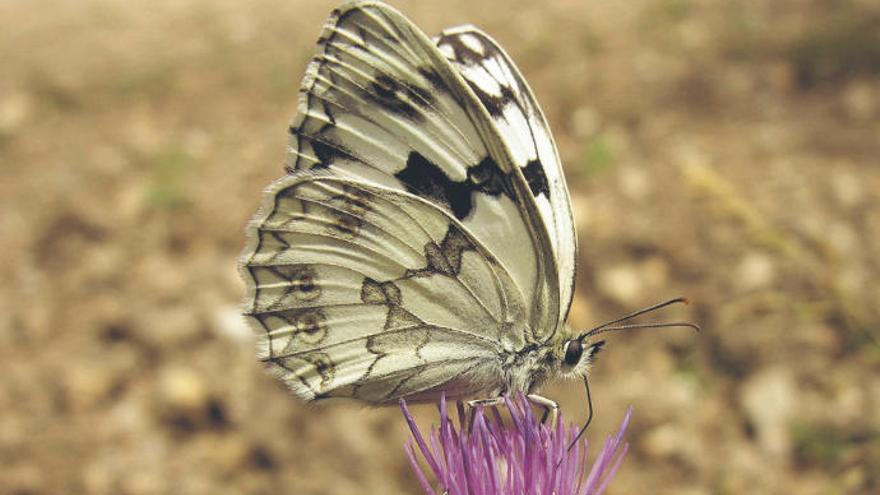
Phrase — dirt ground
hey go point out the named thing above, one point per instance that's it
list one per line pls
(726, 151)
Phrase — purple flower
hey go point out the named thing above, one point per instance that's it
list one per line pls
(491, 458)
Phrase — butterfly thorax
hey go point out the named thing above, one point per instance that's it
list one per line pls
(527, 368)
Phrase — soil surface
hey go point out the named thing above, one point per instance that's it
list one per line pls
(725, 151)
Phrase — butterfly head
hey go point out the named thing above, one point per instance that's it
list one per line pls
(578, 356)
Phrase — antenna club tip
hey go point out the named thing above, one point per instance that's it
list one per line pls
(685, 300)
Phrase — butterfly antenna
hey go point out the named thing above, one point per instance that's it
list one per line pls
(610, 325)
(589, 416)
(632, 326)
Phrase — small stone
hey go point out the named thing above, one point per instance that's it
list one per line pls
(628, 283)
(97, 478)
(860, 100)
(755, 271)
(635, 183)
(817, 337)
(585, 122)
(197, 143)
(854, 479)
(654, 270)
(621, 283)
(844, 239)
(850, 401)
(693, 34)
(183, 396)
(582, 209)
(15, 109)
(223, 453)
(229, 323)
(874, 397)
(168, 326)
(86, 385)
(140, 482)
(662, 441)
(853, 279)
(143, 132)
(848, 188)
(769, 399)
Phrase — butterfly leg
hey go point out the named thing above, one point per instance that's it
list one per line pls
(551, 408)
(473, 404)
(485, 402)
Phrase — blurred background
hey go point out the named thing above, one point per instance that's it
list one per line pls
(726, 151)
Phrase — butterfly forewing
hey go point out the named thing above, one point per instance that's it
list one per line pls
(380, 103)
(508, 99)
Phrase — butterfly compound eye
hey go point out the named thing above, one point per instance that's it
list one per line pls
(573, 351)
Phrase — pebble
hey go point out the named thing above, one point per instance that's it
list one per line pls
(874, 393)
(635, 183)
(769, 399)
(183, 393)
(620, 283)
(848, 188)
(850, 400)
(754, 271)
(843, 238)
(86, 385)
(163, 326)
(229, 323)
(15, 109)
(583, 211)
(629, 283)
(662, 441)
(674, 440)
(585, 122)
(860, 101)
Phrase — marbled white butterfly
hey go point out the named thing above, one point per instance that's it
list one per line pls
(422, 239)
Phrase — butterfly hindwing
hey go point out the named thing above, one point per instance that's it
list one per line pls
(362, 291)
(503, 91)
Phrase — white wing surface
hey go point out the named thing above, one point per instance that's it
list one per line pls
(380, 103)
(503, 91)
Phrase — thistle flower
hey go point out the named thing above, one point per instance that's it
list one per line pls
(491, 458)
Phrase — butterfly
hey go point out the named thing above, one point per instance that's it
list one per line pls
(421, 241)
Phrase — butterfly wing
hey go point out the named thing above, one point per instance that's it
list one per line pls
(366, 292)
(380, 103)
(503, 91)
(404, 254)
